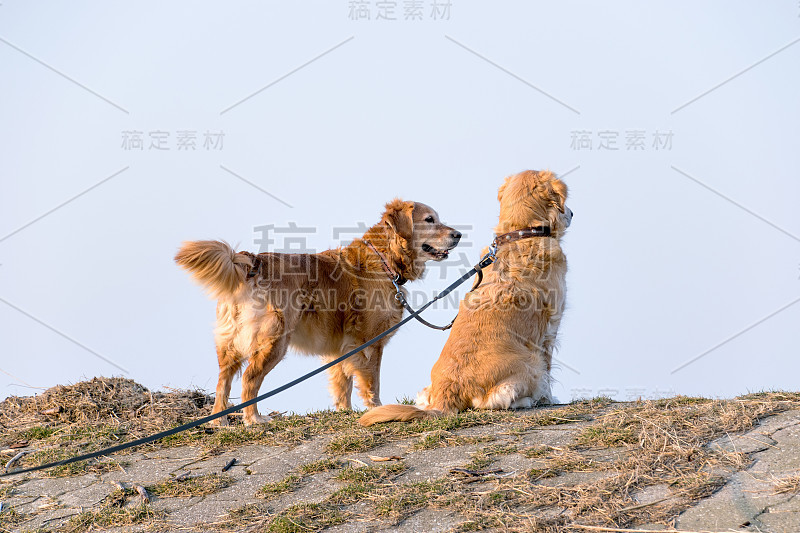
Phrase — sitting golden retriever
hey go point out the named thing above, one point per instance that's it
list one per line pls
(499, 352)
(325, 303)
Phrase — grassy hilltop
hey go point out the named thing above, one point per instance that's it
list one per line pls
(587, 466)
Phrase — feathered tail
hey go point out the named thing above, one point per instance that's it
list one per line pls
(214, 265)
(398, 413)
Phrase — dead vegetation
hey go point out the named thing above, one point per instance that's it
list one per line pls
(191, 486)
(620, 451)
(10, 518)
(103, 401)
(307, 517)
(441, 438)
(68, 420)
(323, 465)
(110, 515)
(662, 443)
(787, 485)
(288, 484)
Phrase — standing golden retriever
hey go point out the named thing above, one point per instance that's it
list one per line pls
(499, 352)
(326, 303)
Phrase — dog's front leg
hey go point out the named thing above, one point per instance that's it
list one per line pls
(341, 387)
(368, 374)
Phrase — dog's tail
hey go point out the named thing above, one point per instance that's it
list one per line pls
(214, 265)
(398, 413)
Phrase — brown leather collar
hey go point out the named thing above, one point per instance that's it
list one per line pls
(519, 234)
(394, 276)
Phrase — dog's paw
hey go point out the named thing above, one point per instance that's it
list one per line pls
(257, 419)
(523, 403)
(220, 422)
(423, 398)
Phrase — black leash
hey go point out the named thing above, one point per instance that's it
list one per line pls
(402, 297)
(410, 309)
(398, 280)
(485, 261)
(505, 238)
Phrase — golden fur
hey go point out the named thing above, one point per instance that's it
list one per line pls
(500, 350)
(325, 304)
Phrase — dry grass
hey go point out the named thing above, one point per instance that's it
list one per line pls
(272, 490)
(400, 502)
(68, 420)
(371, 474)
(10, 518)
(307, 517)
(361, 441)
(192, 486)
(7, 488)
(93, 466)
(362, 483)
(111, 516)
(667, 444)
(294, 481)
(662, 443)
(441, 438)
(620, 450)
(109, 401)
(488, 454)
(787, 485)
(254, 516)
(323, 465)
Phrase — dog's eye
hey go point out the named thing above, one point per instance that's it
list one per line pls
(429, 219)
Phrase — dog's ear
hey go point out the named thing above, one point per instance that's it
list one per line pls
(560, 190)
(502, 189)
(399, 217)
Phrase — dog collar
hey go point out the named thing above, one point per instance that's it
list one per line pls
(396, 278)
(525, 233)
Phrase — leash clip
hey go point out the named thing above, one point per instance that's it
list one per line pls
(490, 256)
(399, 293)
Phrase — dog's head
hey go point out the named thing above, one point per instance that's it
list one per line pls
(426, 238)
(533, 198)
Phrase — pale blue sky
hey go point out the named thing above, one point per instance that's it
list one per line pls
(673, 251)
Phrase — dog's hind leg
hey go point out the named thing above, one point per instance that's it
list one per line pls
(229, 364)
(261, 362)
(503, 396)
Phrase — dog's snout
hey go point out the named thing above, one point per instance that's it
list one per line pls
(456, 235)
